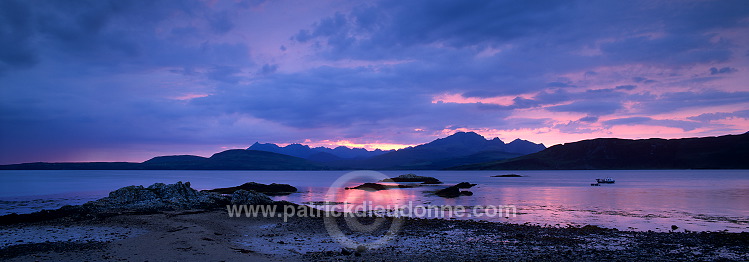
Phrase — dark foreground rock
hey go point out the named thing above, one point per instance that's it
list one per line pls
(272, 189)
(244, 197)
(413, 178)
(155, 198)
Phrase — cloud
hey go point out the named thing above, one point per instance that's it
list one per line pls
(589, 107)
(674, 101)
(220, 22)
(707, 117)
(671, 50)
(559, 84)
(589, 119)
(724, 70)
(643, 80)
(684, 125)
(15, 36)
(268, 69)
(199, 74)
(626, 87)
(226, 74)
(109, 33)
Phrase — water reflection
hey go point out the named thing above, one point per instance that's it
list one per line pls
(631, 205)
(698, 200)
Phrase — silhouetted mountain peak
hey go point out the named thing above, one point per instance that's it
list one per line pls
(521, 146)
(497, 140)
(458, 139)
(304, 151)
(298, 147)
(465, 136)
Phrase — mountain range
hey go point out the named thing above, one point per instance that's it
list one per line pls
(460, 151)
(320, 154)
(722, 152)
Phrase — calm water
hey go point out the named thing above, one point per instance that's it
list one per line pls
(697, 200)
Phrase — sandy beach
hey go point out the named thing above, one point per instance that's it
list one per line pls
(211, 235)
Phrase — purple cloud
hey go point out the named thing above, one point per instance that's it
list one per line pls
(142, 78)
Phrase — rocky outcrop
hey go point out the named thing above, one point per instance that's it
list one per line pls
(153, 199)
(157, 197)
(244, 197)
(272, 189)
(413, 178)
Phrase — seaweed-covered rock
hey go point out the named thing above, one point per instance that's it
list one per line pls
(244, 197)
(413, 178)
(272, 189)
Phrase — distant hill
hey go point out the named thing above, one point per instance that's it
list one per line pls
(317, 153)
(723, 152)
(235, 159)
(457, 149)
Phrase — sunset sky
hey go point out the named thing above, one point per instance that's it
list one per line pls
(128, 80)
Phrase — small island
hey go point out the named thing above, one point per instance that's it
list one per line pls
(413, 178)
(508, 175)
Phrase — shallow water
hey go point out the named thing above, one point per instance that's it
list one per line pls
(696, 200)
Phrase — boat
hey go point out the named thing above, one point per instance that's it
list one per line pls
(595, 184)
(607, 180)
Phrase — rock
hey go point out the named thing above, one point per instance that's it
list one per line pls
(413, 178)
(452, 191)
(130, 194)
(157, 197)
(272, 189)
(369, 187)
(153, 199)
(244, 197)
(464, 185)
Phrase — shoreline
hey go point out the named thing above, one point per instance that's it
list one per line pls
(202, 234)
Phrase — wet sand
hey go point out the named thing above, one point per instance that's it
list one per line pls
(214, 236)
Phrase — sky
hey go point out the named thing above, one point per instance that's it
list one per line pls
(112, 80)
